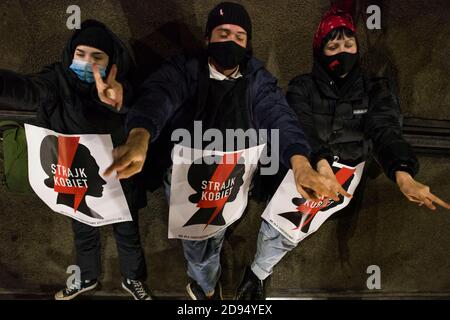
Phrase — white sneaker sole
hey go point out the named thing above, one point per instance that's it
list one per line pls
(190, 293)
(62, 298)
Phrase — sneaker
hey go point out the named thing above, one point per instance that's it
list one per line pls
(76, 289)
(137, 289)
(251, 288)
(196, 292)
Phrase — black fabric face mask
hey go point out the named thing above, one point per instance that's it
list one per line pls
(339, 64)
(226, 54)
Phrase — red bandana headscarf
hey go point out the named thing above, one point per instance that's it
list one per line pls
(338, 16)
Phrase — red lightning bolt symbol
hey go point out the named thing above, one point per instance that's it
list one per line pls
(223, 171)
(67, 147)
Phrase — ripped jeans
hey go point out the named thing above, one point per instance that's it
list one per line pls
(203, 257)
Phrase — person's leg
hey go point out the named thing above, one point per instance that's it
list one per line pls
(272, 246)
(131, 256)
(203, 260)
(203, 257)
(129, 248)
(87, 244)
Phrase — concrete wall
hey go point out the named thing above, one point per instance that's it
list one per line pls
(412, 45)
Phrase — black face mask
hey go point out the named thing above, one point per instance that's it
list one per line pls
(340, 64)
(227, 54)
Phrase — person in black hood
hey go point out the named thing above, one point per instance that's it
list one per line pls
(223, 87)
(89, 92)
(347, 118)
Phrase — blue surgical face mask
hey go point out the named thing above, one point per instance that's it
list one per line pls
(83, 70)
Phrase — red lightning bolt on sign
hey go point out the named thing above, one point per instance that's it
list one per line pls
(342, 176)
(67, 147)
(223, 171)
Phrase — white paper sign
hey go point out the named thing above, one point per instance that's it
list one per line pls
(295, 217)
(65, 171)
(207, 196)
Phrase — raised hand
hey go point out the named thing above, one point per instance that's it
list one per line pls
(111, 91)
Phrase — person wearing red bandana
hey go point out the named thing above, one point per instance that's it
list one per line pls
(346, 116)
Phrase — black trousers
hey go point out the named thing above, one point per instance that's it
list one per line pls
(128, 242)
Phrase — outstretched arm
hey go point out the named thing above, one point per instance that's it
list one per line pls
(159, 98)
(392, 151)
(27, 92)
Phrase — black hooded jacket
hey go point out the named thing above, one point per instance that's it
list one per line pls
(353, 120)
(70, 106)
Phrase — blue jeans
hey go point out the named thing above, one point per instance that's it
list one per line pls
(271, 247)
(203, 257)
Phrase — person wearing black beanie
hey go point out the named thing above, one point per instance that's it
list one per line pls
(95, 37)
(223, 87)
(228, 35)
(229, 13)
(74, 96)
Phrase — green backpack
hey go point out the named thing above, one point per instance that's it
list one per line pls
(15, 158)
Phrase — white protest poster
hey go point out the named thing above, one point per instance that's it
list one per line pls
(209, 190)
(65, 171)
(295, 217)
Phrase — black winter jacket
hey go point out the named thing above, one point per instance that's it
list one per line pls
(351, 122)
